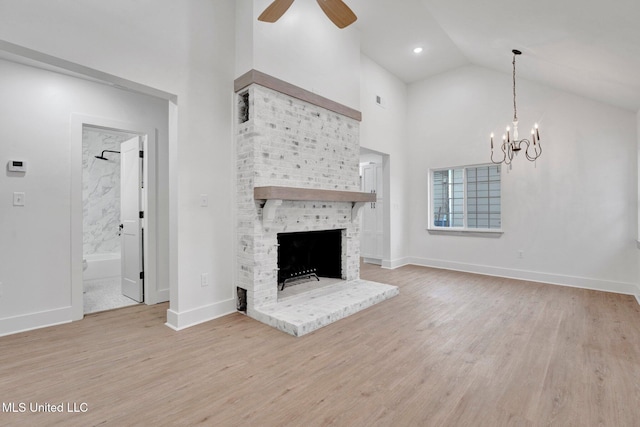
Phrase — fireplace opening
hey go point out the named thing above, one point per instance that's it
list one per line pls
(309, 254)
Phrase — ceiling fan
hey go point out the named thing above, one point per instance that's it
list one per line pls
(338, 12)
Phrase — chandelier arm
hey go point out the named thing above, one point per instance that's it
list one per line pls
(508, 153)
(501, 161)
(537, 151)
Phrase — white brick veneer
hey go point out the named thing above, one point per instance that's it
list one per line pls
(288, 142)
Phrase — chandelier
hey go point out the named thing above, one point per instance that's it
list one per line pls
(512, 146)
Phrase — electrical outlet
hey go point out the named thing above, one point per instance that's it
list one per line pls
(18, 198)
(204, 280)
(204, 200)
(520, 254)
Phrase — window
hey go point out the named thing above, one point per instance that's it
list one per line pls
(466, 198)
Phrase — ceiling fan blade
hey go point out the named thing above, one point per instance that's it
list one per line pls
(338, 12)
(275, 10)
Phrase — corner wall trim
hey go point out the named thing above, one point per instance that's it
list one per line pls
(86, 71)
(273, 83)
(182, 320)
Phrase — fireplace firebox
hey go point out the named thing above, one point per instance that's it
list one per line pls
(309, 254)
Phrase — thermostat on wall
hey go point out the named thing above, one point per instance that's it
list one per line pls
(17, 166)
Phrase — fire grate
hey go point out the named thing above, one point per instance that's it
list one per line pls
(308, 273)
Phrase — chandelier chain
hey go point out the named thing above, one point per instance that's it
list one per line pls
(515, 110)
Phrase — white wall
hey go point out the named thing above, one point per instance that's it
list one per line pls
(638, 176)
(35, 126)
(303, 48)
(638, 211)
(184, 48)
(573, 214)
(385, 130)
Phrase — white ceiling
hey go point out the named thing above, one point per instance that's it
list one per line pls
(589, 47)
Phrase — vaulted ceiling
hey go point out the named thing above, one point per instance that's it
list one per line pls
(588, 47)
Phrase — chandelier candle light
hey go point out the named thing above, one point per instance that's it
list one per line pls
(511, 147)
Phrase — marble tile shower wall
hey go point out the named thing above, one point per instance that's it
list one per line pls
(288, 142)
(100, 192)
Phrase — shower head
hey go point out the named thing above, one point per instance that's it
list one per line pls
(102, 157)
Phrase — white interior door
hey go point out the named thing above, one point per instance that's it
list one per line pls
(131, 222)
(371, 231)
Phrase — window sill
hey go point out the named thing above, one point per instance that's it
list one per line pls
(465, 232)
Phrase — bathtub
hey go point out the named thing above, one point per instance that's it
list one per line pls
(101, 266)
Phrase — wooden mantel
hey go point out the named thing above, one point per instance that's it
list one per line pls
(311, 194)
(273, 197)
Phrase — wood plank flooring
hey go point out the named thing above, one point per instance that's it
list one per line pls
(453, 349)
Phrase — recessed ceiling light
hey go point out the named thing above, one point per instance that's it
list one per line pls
(417, 50)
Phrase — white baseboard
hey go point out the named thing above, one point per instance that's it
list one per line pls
(395, 263)
(178, 321)
(31, 321)
(533, 276)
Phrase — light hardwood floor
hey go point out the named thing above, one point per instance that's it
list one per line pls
(452, 349)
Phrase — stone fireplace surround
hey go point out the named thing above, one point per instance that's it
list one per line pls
(297, 170)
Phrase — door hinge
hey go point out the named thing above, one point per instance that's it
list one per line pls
(141, 154)
(141, 214)
(142, 275)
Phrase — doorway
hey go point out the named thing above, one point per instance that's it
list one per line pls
(374, 222)
(110, 193)
(146, 206)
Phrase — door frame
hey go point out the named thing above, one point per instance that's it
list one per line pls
(148, 204)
